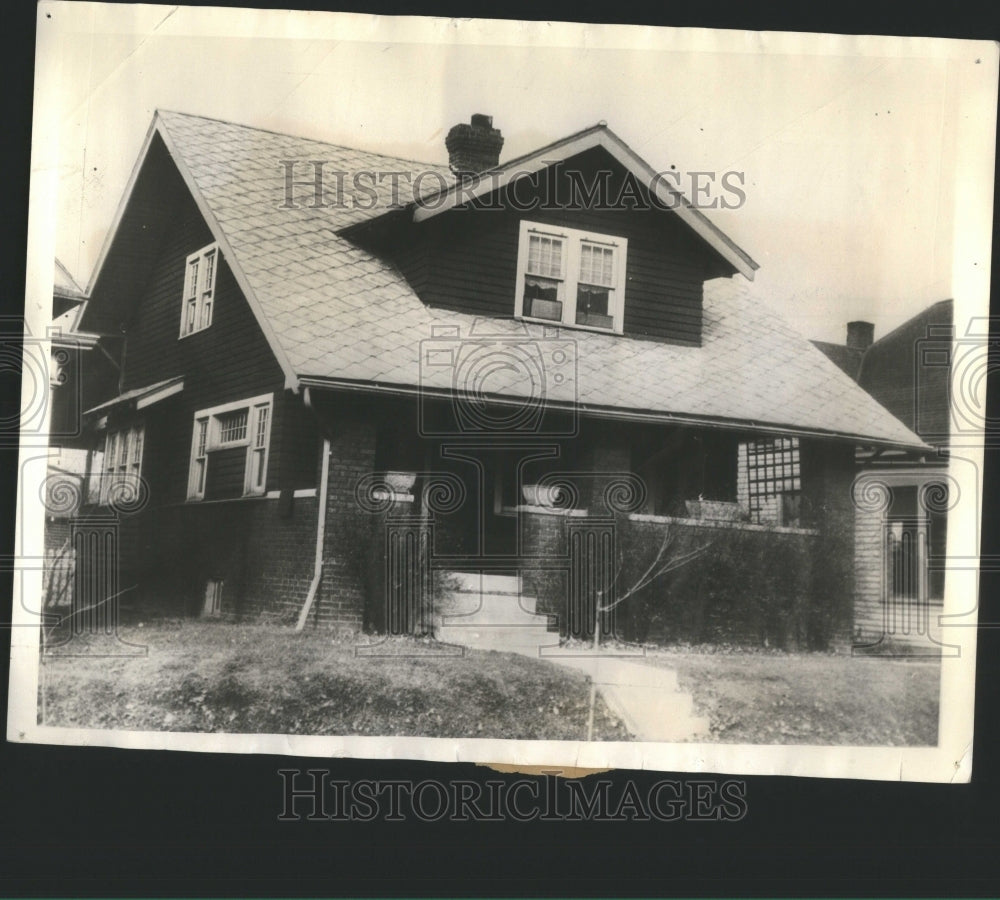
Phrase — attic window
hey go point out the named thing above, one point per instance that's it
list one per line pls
(199, 290)
(571, 277)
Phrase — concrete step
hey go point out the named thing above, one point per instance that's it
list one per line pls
(524, 639)
(490, 609)
(485, 582)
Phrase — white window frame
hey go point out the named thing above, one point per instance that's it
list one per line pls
(573, 239)
(260, 414)
(122, 460)
(198, 298)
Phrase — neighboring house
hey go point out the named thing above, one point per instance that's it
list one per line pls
(903, 496)
(326, 403)
(75, 380)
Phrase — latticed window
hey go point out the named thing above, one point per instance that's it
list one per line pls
(774, 479)
(233, 427)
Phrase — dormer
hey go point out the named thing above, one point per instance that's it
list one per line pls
(581, 234)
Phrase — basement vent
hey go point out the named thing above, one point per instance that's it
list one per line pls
(213, 598)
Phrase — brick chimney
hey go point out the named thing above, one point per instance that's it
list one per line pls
(474, 148)
(860, 335)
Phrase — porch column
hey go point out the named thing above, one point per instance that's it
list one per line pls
(607, 459)
(346, 553)
(827, 477)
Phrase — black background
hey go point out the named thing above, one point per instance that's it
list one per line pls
(77, 821)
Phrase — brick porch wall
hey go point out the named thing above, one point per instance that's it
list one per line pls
(342, 590)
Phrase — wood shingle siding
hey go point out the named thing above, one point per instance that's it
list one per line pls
(466, 260)
(228, 361)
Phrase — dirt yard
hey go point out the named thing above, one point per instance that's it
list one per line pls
(214, 676)
(785, 698)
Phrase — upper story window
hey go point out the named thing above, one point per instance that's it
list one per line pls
(122, 464)
(199, 290)
(571, 277)
(245, 423)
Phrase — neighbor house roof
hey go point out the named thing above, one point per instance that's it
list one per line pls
(909, 372)
(338, 315)
(847, 359)
(65, 285)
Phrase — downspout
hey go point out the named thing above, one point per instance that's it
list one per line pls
(324, 481)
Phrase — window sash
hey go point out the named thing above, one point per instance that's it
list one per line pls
(199, 290)
(122, 458)
(231, 428)
(243, 422)
(580, 284)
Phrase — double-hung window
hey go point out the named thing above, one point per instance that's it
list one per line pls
(570, 277)
(199, 290)
(218, 436)
(122, 461)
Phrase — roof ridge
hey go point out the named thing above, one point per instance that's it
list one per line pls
(910, 321)
(159, 111)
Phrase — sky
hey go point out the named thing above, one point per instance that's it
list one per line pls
(849, 148)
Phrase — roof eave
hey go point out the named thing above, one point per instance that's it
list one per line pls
(316, 382)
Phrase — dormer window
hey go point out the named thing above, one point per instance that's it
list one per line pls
(570, 277)
(199, 290)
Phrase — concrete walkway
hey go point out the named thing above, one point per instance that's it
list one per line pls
(489, 612)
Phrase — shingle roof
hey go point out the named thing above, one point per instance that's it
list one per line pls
(339, 313)
(65, 284)
(847, 359)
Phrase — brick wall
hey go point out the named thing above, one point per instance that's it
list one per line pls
(828, 471)
(262, 550)
(869, 567)
(543, 537)
(347, 563)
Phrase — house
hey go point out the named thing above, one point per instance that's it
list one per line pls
(345, 377)
(901, 518)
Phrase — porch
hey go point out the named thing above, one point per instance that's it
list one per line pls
(663, 531)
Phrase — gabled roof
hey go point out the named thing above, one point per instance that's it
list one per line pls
(847, 359)
(560, 151)
(337, 315)
(65, 284)
(65, 332)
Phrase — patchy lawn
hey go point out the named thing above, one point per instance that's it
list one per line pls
(810, 698)
(215, 676)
